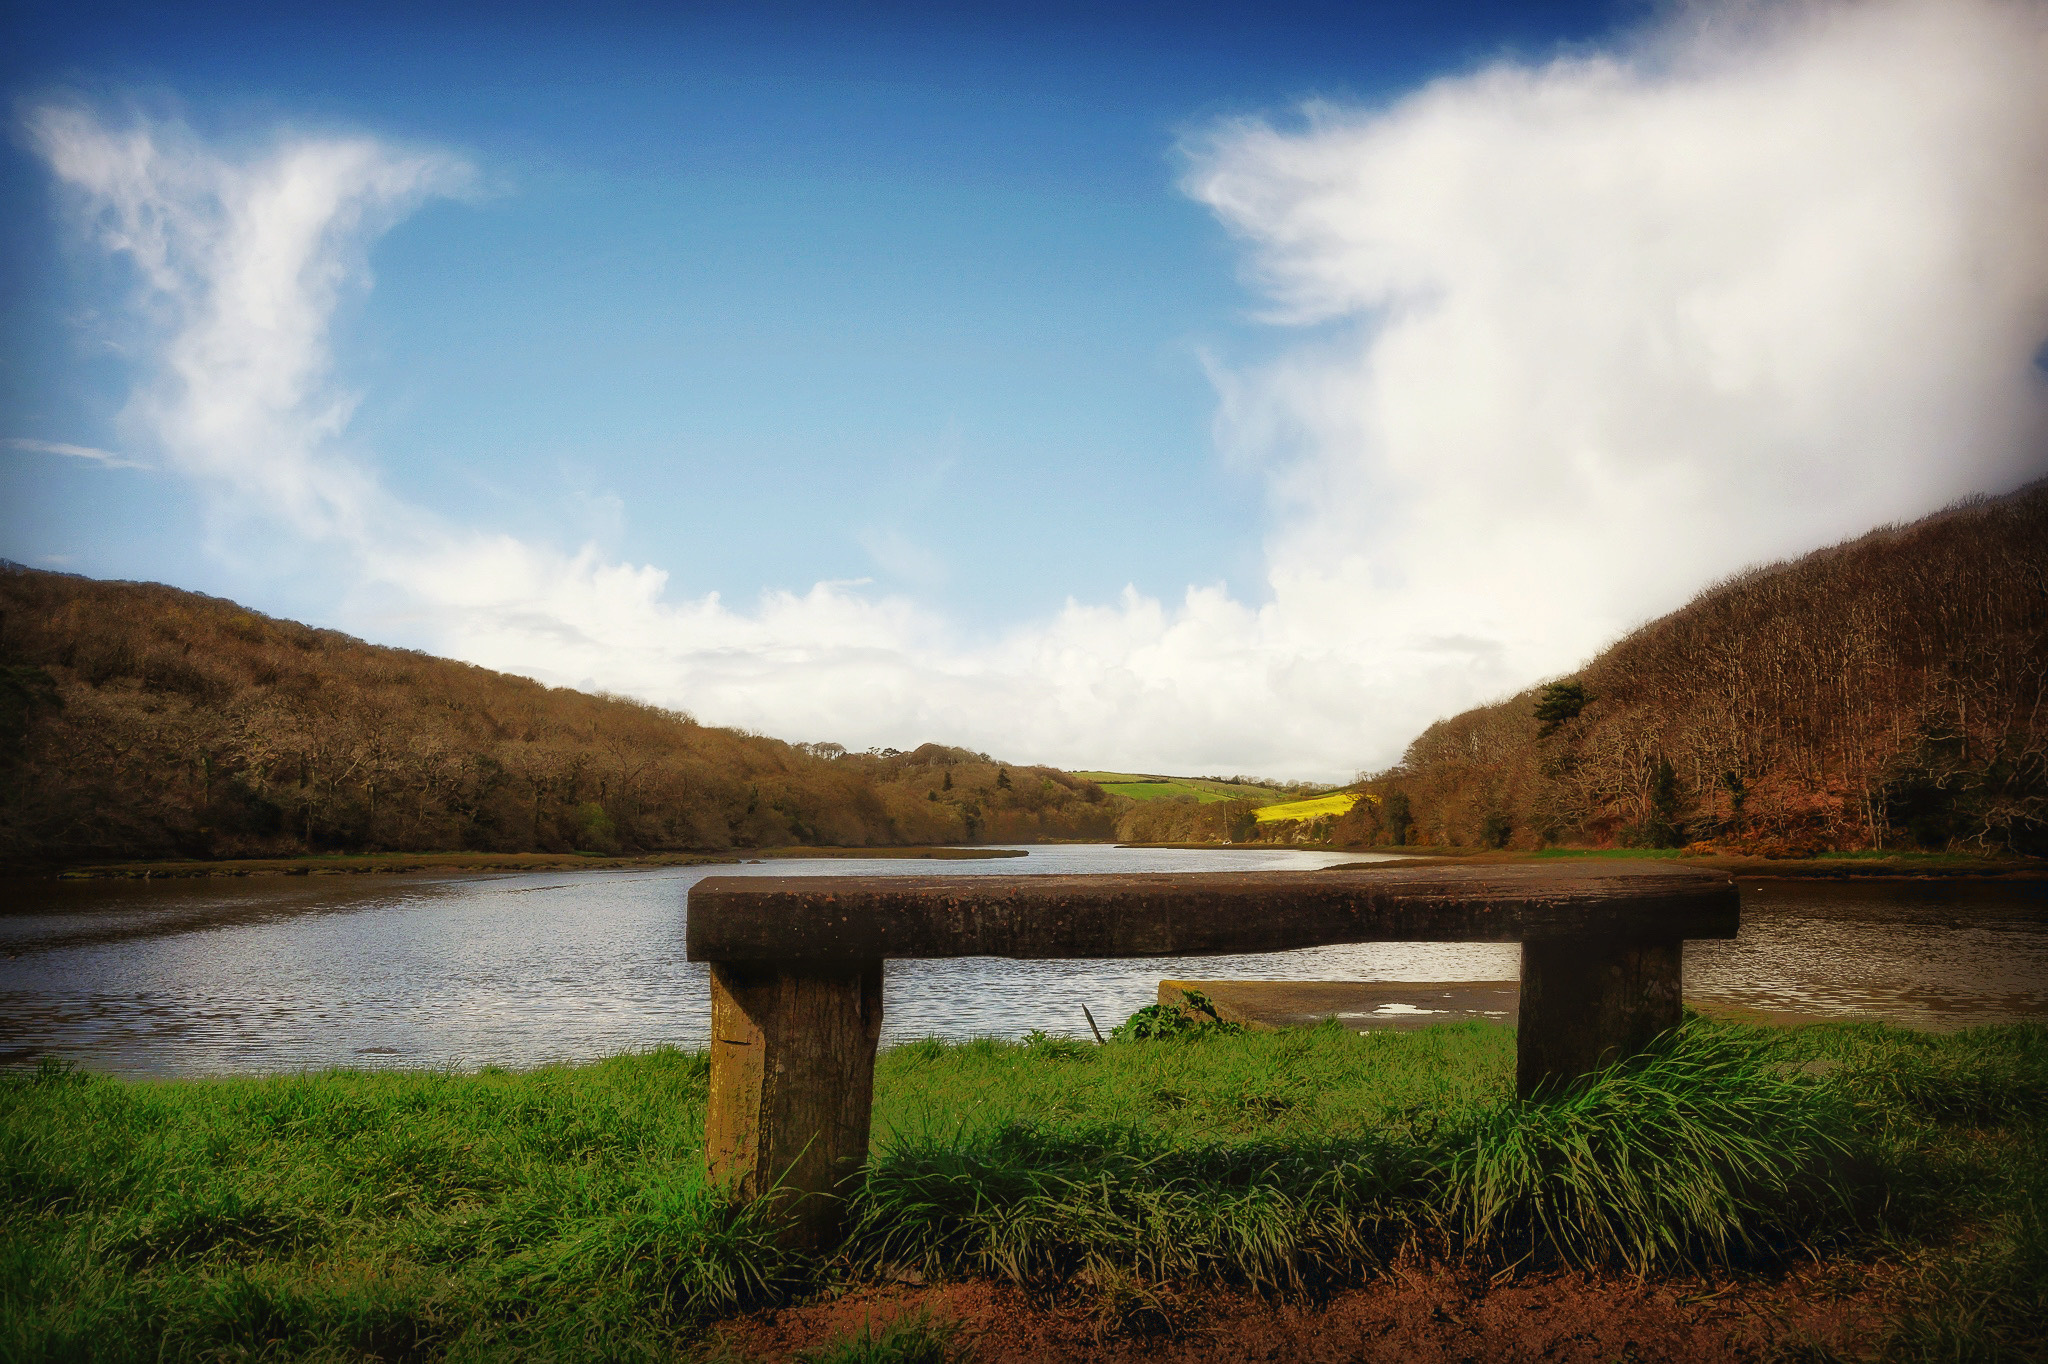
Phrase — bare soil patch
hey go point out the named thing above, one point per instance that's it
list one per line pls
(1419, 1316)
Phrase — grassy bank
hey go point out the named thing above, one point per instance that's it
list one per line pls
(1826, 865)
(563, 1212)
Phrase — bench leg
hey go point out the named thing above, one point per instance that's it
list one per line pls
(1586, 1004)
(792, 1085)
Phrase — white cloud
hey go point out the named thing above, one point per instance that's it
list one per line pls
(241, 265)
(85, 452)
(1574, 339)
(1584, 336)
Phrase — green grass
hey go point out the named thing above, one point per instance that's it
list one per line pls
(1138, 786)
(914, 1338)
(1610, 854)
(1968, 860)
(563, 1213)
(1282, 1159)
(1873, 860)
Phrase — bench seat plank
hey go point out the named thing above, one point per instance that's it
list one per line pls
(834, 918)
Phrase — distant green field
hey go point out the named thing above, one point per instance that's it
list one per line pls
(1139, 786)
(1336, 803)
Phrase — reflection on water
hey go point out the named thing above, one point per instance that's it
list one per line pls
(267, 974)
(1928, 954)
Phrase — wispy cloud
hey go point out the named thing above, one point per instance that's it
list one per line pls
(240, 263)
(903, 558)
(87, 452)
(1576, 337)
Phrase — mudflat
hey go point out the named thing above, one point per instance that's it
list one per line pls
(1360, 1005)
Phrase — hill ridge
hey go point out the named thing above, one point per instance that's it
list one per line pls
(140, 720)
(1888, 690)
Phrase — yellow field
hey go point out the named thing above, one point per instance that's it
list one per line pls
(1335, 804)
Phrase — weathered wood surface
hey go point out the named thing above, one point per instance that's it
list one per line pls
(792, 1085)
(827, 918)
(1587, 1004)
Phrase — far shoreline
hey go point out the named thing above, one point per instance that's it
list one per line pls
(359, 864)
(1897, 866)
(1908, 866)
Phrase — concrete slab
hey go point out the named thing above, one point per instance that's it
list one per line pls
(1361, 1005)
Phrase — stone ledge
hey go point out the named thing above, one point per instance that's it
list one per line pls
(1361, 1005)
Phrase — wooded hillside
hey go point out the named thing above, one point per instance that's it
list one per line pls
(137, 720)
(1888, 692)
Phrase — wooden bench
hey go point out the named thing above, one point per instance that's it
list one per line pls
(796, 971)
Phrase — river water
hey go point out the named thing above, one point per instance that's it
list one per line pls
(264, 974)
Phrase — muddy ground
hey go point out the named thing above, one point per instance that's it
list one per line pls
(1423, 1316)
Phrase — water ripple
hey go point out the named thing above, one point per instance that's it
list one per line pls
(521, 969)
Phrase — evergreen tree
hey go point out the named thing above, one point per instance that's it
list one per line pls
(1559, 702)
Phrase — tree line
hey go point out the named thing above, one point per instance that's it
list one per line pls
(1889, 692)
(139, 721)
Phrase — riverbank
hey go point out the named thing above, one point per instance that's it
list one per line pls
(1830, 865)
(1826, 865)
(1887, 1190)
(341, 864)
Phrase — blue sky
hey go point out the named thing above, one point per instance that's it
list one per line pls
(968, 317)
(815, 294)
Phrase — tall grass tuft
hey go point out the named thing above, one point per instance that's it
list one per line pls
(1708, 1149)
(1711, 1149)
(1031, 1203)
